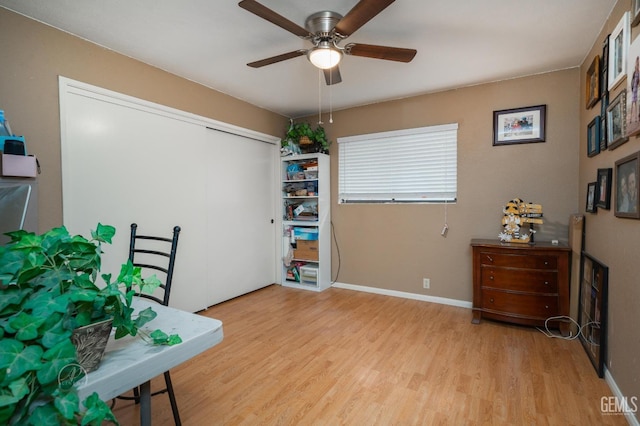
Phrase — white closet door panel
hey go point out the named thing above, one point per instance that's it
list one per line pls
(240, 206)
(122, 164)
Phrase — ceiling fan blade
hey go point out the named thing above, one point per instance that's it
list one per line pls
(361, 13)
(278, 58)
(380, 52)
(271, 16)
(332, 76)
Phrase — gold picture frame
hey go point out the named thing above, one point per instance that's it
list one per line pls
(593, 82)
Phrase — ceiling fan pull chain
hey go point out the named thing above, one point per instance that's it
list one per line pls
(319, 96)
(330, 101)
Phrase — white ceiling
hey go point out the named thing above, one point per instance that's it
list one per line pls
(459, 43)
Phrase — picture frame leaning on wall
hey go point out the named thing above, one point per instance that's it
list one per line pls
(592, 310)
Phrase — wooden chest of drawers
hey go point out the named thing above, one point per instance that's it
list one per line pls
(521, 283)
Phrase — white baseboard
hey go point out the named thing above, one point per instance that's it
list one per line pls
(406, 295)
(629, 416)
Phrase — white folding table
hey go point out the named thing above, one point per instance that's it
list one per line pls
(130, 362)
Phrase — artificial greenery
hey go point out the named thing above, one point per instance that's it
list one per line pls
(48, 287)
(296, 131)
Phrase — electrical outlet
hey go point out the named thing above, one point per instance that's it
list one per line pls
(426, 283)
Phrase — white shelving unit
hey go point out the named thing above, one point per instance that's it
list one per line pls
(306, 222)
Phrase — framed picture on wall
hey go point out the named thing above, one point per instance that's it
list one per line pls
(519, 125)
(617, 121)
(627, 190)
(592, 189)
(618, 45)
(593, 82)
(633, 86)
(604, 87)
(593, 137)
(635, 12)
(592, 309)
(604, 104)
(604, 188)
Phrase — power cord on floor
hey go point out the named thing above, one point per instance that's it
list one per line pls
(333, 234)
(548, 332)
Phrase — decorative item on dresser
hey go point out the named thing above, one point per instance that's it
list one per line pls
(517, 212)
(521, 283)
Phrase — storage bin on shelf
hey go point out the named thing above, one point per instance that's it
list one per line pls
(309, 274)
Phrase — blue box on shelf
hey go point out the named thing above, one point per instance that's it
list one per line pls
(308, 234)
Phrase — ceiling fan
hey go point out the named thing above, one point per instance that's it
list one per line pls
(326, 30)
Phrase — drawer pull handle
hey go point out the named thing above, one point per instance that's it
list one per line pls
(491, 300)
(546, 283)
(546, 262)
(546, 306)
(490, 258)
(491, 277)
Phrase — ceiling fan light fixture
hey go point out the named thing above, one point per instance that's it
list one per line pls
(324, 56)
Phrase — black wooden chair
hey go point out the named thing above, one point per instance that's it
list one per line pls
(156, 255)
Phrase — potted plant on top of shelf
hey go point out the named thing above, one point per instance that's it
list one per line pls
(301, 137)
(48, 286)
(320, 138)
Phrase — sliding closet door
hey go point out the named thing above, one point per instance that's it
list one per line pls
(240, 209)
(123, 165)
(126, 160)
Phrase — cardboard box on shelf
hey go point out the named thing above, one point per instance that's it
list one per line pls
(306, 250)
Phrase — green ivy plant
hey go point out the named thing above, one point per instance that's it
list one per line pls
(320, 138)
(48, 286)
(296, 131)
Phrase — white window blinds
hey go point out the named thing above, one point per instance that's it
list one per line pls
(413, 165)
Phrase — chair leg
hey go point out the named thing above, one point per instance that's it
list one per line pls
(172, 399)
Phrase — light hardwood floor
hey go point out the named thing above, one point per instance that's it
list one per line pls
(342, 357)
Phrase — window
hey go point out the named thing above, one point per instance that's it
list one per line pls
(406, 166)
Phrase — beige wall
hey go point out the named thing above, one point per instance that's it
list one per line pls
(34, 55)
(395, 246)
(385, 246)
(612, 240)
